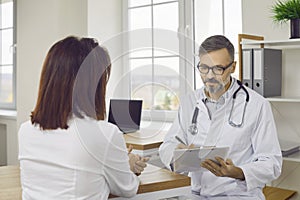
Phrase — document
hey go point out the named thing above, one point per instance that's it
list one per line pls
(189, 160)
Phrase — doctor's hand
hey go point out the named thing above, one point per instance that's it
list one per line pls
(223, 168)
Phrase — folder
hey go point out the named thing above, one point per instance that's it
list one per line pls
(189, 160)
(247, 75)
(267, 71)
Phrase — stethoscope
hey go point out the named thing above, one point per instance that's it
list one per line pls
(193, 127)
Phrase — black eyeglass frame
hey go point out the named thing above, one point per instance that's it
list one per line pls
(218, 67)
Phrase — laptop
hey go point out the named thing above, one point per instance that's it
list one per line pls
(126, 114)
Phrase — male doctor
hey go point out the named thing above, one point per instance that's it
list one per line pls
(254, 157)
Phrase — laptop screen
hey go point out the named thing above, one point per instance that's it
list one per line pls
(126, 114)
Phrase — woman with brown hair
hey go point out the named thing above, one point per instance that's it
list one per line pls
(67, 150)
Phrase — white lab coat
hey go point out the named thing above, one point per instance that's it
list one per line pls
(88, 160)
(254, 147)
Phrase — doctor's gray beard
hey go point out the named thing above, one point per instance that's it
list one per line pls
(214, 89)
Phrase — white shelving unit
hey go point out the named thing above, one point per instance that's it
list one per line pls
(278, 44)
(284, 99)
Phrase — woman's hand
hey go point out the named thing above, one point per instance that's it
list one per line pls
(136, 162)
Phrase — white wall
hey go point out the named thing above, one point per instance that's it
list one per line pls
(105, 19)
(257, 20)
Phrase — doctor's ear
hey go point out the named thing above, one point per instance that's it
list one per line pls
(233, 67)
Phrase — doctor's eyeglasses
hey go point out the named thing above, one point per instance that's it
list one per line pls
(217, 69)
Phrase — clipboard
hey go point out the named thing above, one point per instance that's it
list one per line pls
(188, 160)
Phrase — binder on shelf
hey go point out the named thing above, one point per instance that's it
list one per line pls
(267, 71)
(247, 75)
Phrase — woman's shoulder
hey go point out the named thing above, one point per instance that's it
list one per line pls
(108, 126)
(105, 127)
(27, 125)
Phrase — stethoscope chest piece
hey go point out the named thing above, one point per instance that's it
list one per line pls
(193, 127)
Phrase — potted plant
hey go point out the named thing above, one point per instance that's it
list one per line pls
(288, 10)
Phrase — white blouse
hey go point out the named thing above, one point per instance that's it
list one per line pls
(89, 160)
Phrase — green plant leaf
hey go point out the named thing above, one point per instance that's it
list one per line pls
(285, 10)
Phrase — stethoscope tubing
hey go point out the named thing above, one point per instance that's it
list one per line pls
(193, 127)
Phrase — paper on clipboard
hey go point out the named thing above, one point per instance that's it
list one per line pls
(188, 160)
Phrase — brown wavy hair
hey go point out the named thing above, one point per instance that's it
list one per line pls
(73, 83)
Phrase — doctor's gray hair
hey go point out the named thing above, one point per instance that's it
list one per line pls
(214, 43)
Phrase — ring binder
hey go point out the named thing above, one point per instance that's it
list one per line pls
(262, 70)
(247, 75)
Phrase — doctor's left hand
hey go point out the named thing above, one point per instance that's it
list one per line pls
(223, 168)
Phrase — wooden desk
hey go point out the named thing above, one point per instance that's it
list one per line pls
(273, 193)
(151, 180)
(155, 179)
(145, 139)
(10, 187)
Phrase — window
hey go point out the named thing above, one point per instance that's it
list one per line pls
(156, 58)
(7, 55)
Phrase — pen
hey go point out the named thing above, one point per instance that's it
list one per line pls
(180, 140)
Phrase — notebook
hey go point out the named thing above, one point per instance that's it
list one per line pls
(126, 114)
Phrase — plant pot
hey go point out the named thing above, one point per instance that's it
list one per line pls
(295, 28)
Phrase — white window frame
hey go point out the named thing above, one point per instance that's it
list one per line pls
(186, 49)
(12, 106)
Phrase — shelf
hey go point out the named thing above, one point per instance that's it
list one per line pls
(285, 44)
(284, 99)
(293, 157)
